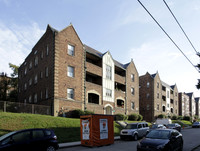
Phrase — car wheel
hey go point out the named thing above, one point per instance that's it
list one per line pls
(135, 137)
(50, 148)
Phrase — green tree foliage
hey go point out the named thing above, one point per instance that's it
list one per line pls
(14, 75)
(4, 86)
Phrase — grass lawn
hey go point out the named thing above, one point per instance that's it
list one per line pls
(66, 129)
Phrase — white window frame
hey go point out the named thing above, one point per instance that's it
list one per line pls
(132, 91)
(70, 93)
(132, 77)
(132, 105)
(70, 71)
(108, 72)
(71, 50)
(108, 92)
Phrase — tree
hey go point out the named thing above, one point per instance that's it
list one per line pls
(198, 66)
(4, 86)
(14, 75)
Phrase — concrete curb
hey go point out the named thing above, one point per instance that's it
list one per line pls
(78, 143)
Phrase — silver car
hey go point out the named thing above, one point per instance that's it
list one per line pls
(134, 131)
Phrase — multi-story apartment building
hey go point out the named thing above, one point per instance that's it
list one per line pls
(197, 106)
(157, 97)
(192, 104)
(184, 104)
(65, 74)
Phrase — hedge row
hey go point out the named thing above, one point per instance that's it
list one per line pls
(131, 117)
(175, 117)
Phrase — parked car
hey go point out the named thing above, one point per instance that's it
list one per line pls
(174, 126)
(161, 140)
(29, 140)
(196, 124)
(134, 131)
(156, 126)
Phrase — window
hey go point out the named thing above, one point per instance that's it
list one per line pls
(71, 50)
(158, 96)
(47, 50)
(46, 71)
(148, 95)
(158, 107)
(164, 98)
(168, 105)
(109, 92)
(36, 60)
(163, 108)
(30, 81)
(25, 71)
(132, 105)
(70, 93)
(157, 84)
(41, 95)
(41, 74)
(132, 77)
(21, 137)
(46, 94)
(167, 94)
(139, 125)
(42, 55)
(70, 71)
(25, 86)
(30, 65)
(35, 98)
(35, 79)
(147, 106)
(29, 99)
(171, 110)
(108, 72)
(132, 91)
(148, 84)
(163, 88)
(38, 134)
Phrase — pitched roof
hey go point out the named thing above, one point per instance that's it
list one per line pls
(190, 94)
(197, 99)
(100, 55)
(153, 75)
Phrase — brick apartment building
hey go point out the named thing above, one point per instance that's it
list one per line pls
(156, 97)
(197, 106)
(192, 104)
(184, 104)
(65, 74)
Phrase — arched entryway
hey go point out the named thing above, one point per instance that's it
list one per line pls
(108, 109)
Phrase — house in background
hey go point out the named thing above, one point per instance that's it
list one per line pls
(65, 74)
(192, 104)
(197, 99)
(184, 104)
(157, 97)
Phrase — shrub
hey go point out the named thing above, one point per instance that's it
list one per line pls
(180, 117)
(174, 117)
(125, 117)
(140, 117)
(76, 113)
(161, 116)
(88, 112)
(187, 118)
(119, 117)
(133, 117)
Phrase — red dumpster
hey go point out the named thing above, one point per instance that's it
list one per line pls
(97, 130)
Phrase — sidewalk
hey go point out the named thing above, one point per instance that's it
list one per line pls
(72, 144)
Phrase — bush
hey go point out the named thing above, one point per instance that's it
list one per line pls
(76, 113)
(187, 118)
(161, 116)
(174, 117)
(125, 117)
(88, 112)
(180, 117)
(140, 117)
(119, 117)
(133, 117)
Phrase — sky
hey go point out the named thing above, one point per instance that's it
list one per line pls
(122, 27)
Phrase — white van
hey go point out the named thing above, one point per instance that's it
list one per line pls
(163, 121)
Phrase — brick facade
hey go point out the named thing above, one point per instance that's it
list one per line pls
(69, 75)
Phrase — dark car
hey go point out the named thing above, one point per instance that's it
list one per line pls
(161, 140)
(174, 126)
(29, 140)
(196, 124)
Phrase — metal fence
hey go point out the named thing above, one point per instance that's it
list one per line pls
(16, 107)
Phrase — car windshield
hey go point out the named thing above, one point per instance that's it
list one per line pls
(154, 126)
(131, 126)
(158, 134)
(6, 135)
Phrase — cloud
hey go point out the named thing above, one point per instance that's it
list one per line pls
(16, 43)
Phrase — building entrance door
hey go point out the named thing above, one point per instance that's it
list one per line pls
(108, 110)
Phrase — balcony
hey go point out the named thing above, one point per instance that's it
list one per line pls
(119, 79)
(93, 68)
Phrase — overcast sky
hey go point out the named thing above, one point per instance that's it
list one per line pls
(121, 26)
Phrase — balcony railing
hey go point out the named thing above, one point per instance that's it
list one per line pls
(93, 68)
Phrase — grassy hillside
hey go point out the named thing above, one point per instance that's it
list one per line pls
(66, 129)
